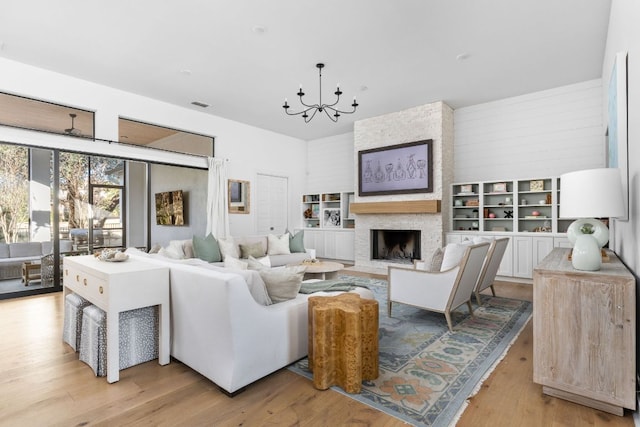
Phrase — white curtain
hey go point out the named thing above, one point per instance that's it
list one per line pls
(217, 213)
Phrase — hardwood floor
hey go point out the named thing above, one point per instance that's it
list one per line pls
(44, 383)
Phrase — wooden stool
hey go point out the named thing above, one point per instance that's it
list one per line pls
(343, 341)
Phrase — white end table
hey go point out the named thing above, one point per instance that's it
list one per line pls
(116, 287)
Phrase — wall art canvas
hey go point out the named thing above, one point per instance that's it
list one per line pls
(617, 148)
(170, 208)
(396, 169)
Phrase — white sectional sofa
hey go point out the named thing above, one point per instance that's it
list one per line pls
(219, 328)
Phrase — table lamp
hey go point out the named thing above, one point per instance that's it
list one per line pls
(584, 195)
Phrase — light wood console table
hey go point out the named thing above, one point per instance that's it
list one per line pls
(584, 332)
(116, 287)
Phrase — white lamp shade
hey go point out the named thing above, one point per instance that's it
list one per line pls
(591, 193)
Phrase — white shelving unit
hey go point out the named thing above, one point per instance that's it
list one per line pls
(526, 210)
(329, 225)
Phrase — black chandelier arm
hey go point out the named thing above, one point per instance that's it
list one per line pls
(335, 110)
(311, 107)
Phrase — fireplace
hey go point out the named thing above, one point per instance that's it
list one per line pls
(400, 246)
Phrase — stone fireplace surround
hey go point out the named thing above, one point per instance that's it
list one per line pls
(431, 121)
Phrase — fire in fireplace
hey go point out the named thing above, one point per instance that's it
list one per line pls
(401, 246)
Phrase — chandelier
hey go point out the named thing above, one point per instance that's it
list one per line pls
(310, 110)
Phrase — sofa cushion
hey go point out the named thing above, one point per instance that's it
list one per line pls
(453, 254)
(296, 242)
(25, 249)
(255, 250)
(206, 248)
(284, 283)
(4, 250)
(278, 245)
(228, 247)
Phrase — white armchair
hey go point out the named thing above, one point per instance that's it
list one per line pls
(441, 291)
(490, 268)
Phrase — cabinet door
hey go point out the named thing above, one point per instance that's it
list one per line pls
(345, 245)
(506, 265)
(522, 248)
(541, 247)
(330, 245)
(584, 336)
(314, 239)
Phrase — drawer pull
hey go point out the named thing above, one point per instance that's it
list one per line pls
(66, 272)
(84, 281)
(100, 289)
(77, 277)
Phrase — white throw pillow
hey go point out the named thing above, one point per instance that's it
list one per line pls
(283, 283)
(259, 263)
(235, 263)
(228, 248)
(278, 245)
(173, 250)
(453, 254)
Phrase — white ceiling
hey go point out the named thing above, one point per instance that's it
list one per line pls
(391, 54)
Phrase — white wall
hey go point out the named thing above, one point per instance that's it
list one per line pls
(330, 164)
(249, 149)
(624, 35)
(540, 134)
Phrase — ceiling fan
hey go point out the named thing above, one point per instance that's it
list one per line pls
(73, 130)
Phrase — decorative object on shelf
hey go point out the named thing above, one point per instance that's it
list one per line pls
(508, 214)
(587, 194)
(507, 200)
(458, 202)
(239, 196)
(548, 198)
(308, 213)
(320, 107)
(331, 218)
(542, 202)
(474, 202)
(408, 168)
(466, 189)
(500, 187)
(535, 213)
(536, 185)
(492, 215)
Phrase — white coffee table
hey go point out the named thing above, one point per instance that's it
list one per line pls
(322, 270)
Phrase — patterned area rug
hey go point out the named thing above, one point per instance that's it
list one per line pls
(426, 372)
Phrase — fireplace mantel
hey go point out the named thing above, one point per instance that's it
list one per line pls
(400, 207)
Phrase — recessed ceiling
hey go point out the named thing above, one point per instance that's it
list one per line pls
(244, 57)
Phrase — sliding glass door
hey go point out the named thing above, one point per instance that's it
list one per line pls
(55, 204)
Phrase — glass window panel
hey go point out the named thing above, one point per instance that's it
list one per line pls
(107, 171)
(14, 194)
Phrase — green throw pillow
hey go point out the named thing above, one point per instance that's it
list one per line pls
(206, 248)
(296, 243)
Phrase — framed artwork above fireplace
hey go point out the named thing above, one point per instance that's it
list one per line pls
(396, 169)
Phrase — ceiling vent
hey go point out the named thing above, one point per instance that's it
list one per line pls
(200, 104)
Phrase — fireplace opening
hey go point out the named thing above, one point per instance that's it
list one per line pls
(400, 246)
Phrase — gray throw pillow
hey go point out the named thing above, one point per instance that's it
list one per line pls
(283, 283)
(206, 248)
(255, 250)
